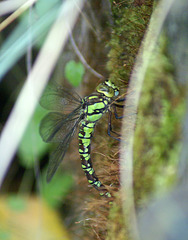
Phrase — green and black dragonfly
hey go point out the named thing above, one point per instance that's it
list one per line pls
(69, 111)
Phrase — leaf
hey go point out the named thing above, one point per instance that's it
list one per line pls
(32, 147)
(74, 72)
(36, 221)
(58, 188)
(16, 203)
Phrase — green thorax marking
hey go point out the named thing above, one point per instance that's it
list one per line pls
(96, 106)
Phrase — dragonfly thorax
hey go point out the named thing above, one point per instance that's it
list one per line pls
(95, 106)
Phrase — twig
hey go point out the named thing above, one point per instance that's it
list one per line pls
(82, 59)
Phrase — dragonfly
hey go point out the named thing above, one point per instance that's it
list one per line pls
(69, 111)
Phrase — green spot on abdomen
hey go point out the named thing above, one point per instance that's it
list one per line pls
(85, 142)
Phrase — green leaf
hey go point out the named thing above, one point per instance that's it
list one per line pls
(16, 203)
(32, 147)
(5, 235)
(55, 191)
(74, 72)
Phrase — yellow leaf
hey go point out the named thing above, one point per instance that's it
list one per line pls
(34, 220)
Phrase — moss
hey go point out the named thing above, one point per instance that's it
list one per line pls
(116, 227)
(130, 22)
(158, 129)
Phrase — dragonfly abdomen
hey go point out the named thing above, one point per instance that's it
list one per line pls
(85, 135)
(96, 106)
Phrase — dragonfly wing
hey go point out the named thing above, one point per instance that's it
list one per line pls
(55, 126)
(58, 155)
(57, 98)
(59, 126)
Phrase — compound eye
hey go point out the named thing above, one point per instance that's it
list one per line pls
(116, 93)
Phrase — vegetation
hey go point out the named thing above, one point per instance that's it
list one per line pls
(112, 38)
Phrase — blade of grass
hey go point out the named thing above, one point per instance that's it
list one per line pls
(16, 14)
(16, 44)
(8, 6)
(35, 83)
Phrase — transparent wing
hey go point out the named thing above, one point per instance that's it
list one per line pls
(55, 126)
(59, 126)
(58, 155)
(57, 98)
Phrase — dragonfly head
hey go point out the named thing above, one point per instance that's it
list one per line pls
(108, 88)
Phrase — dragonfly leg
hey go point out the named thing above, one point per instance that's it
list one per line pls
(121, 99)
(116, 114)
(115, 111)
(110, 127)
